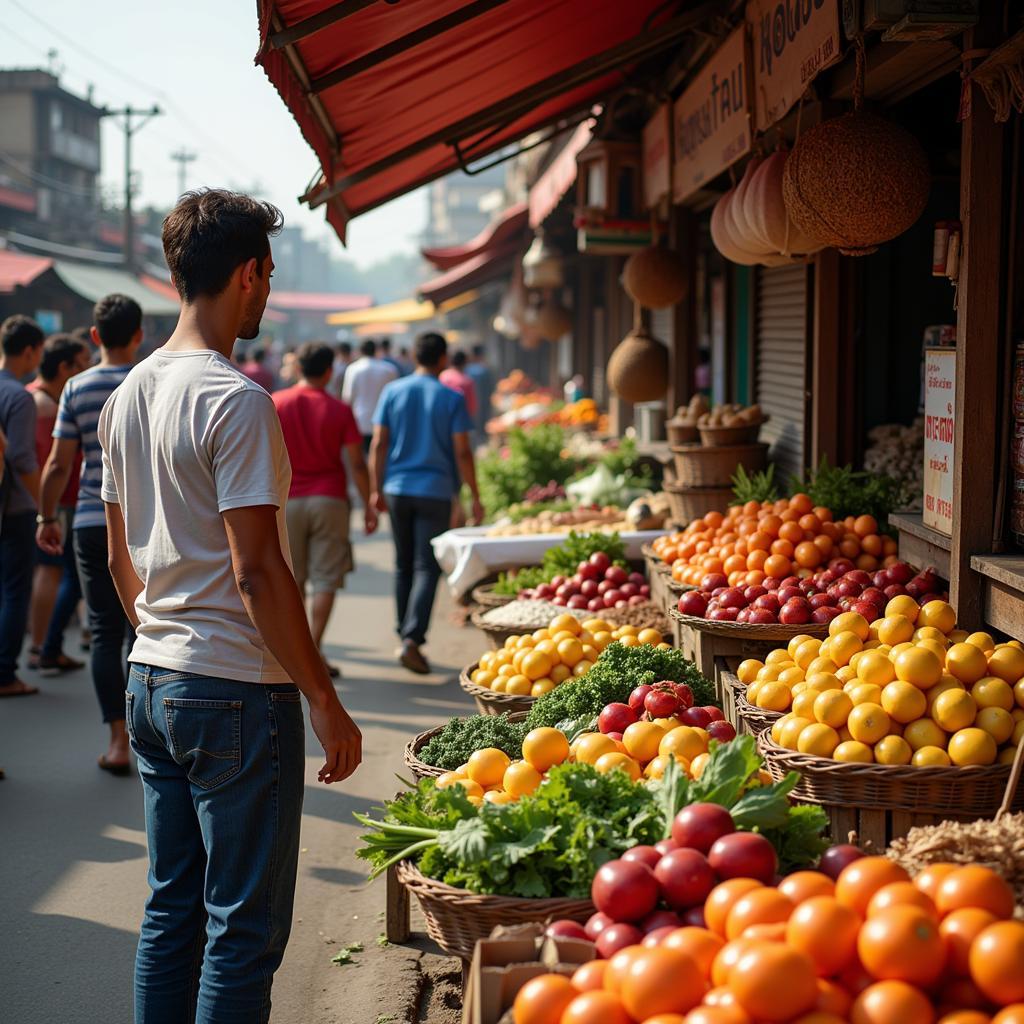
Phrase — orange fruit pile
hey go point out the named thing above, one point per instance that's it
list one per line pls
(873, 947)
(760, 539)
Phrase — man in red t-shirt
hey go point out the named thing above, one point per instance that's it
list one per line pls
(318, 429)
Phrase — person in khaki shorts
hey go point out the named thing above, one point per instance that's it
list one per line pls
(317, 430)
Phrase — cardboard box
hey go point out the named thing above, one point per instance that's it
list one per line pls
(506, 961)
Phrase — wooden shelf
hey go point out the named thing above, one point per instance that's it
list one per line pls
(920, 545)
(1003, 591)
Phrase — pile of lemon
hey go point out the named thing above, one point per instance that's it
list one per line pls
(908, 688)
(645, 749)
(491, 776)
(535, 663)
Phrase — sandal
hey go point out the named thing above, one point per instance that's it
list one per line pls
(34, 654)
(16, 688)
(55, 666)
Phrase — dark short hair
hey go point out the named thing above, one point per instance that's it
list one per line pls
(257, 353)
(344, 349)
(478, 351)
(430, 349)
(82, 334)
(210, 233)
(58, 350)
(315, 359)
(118, 319)
(385, 344)
(18, 333)
(458, 359)
(368, 347)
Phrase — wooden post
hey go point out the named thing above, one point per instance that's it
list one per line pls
(979, 319)
(824, 361)
(684, 328)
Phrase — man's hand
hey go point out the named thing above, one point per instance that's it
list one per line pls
(478, 512)
(50, 538)
(378, 502)
(341, 739)
(369, 520)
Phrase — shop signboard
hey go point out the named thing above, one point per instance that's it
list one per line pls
(656, 157)
(791, 41)
(712, 118)
(939, 419)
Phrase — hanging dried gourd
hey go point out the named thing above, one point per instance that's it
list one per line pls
(729, 246)
(856, 181)
(655, 277)
(552, 320)
(736, 223)
(638, 367)
(764, 210)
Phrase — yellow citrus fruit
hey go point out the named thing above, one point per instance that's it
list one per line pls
(832, 708)
(537, 664)
(903, 701)
(1007, 663)
(939, 650)
(590, 653)
(983, 641)
(895, 629)
(991, 692)
(845, 674)
(903, 605)
(843, 646)
(789, 734)
(521, 778)
(821, 665)
(924, 732)
(957, 636)
(822, 681)
(874, 667)
(807, 652)
(563, 634)
(779, 656)
(542, 686)
(602, 639)
(893, 750)
(682, 742)
(629, 641)
(487, 766)
(616, 761)
(971, 746)
(472, 788)
(560, 673)
(566, 622)
(588, 748)
(747, 671)
(545, 747)
(548, 647)
(519, 685)
(850, 622)
(868, 723)
(929, 633)
(854, 752)
(666, 725)
(649, 636)
(773, 696)
(1018, 692)
(996, 722)
(789, 676)
(930, 757)
(797, 688)
(938, 614)
(525, 643)
(818, 739)
(499, 797)
(1017, 736)
(642, 740)
(779, 723)
(919, 666)
(581, 668)
(947, 682)
(865, 693)
(498, 686)
(656, 768)
(1007, 755)
(954, 710)
(570, 651)
(796, 641)
(700, 762)
(803, 703)
(895, 651)
(966, 662)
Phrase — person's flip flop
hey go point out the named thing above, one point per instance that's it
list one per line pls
(114, 769)
(25, 691)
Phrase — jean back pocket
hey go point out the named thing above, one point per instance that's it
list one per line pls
(206, 738)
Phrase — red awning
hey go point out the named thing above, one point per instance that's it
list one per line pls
(547, 191)
(391, 96)
(509, 225)
(478, 270)
(317, 302)
(18, 269)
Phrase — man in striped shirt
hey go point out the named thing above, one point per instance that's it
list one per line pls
(117, 329)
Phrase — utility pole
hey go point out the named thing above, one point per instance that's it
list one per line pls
(182, 157)
(130, 127)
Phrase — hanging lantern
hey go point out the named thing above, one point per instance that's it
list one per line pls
(543, 266)
(610, 215)
(638, 367)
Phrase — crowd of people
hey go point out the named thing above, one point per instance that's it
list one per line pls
(201, 513)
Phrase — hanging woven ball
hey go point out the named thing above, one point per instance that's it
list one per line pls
(655, 277)
(638, 367)
(856, 181)
(552, 320)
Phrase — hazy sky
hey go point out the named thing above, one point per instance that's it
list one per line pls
(195, 59)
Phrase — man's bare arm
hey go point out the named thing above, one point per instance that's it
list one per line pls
(361, 475)
(467, 470)
(126, 581)
(272, 599)
(378, 465)
(56, 474)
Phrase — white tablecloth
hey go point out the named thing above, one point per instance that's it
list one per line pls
(468, 555)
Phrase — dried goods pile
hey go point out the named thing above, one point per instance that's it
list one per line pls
(526, 614)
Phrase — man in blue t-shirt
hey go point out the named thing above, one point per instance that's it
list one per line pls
(421, 449)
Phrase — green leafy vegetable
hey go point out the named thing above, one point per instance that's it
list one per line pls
(801, 841)
(344, 957)
(452, 746)
(759, 486)
(562, 560)
(848, 492)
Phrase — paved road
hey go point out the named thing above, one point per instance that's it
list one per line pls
(74, 858)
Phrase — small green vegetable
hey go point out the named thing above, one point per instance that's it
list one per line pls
(759, 486)
(344, 957)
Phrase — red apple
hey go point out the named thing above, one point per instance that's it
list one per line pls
(611, 596)
(823, 615)
(860, 576)
(588, 588)
(604, 586)
(588, 571)
(645, 854)
(795, 612)
(645, 590)
(578, 601)
(684, 695)
(771, 584)
(628, 590)
(595, 604)
(694, 917)
(616, 718)
(638, 578)
(616, 937)
(656, 937)
(566, 930)
(694, 716)
(693, 602)
(664, 846)
(596, 924)
(600, 561)
(713, 580)
(753, 592)
(866, 608)
(724, 614)
(661, 704)
(701, 825)
(636, 600)
(787, 593)
(894, 590)
(761, 616)
(659, 919)
(724, 732)
(625, 890)
(744, 855)
(835, 858)
(900, 572)
(840, 566)
(685, 877)
(769, 602)
(732, 598)
(819, 600)
(616, 574)
(638, 696)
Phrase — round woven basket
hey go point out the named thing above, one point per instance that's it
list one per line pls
(484, 595)
(970, 792)
(751, 630)
(700, 466)
(489, 702)
(654, 561)
(456, 918)
(421, 769)
(680, 433)
(714, 437)
(754, 719)
(689, 503)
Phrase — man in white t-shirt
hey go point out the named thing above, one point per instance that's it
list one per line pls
(365, 379)
(195, 481)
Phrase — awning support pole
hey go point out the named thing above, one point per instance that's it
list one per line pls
(308, 26)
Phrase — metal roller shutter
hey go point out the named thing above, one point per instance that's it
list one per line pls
(782, 363)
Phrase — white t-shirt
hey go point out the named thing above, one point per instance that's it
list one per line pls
(186, 437)
(364, 381)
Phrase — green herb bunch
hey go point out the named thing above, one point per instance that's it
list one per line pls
(562, 560)
(452, 746)
(850, 492)
(759, 486)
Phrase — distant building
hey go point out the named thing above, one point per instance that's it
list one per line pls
(460, 205)
(49, 158)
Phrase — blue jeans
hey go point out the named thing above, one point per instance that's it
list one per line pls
(415, 522)
(222, 765)
(17, 560)
(68, 595)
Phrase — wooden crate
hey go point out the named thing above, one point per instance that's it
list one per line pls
(704, 648)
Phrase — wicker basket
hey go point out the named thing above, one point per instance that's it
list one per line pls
(489, 702)
(698, 466)
(775, 631)
(484, 595)
(714, 437)
(883, 802)
(457, 919)
(421, 769)
(689, 503)
(496, 635)
(752, 719)
(680, 433)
